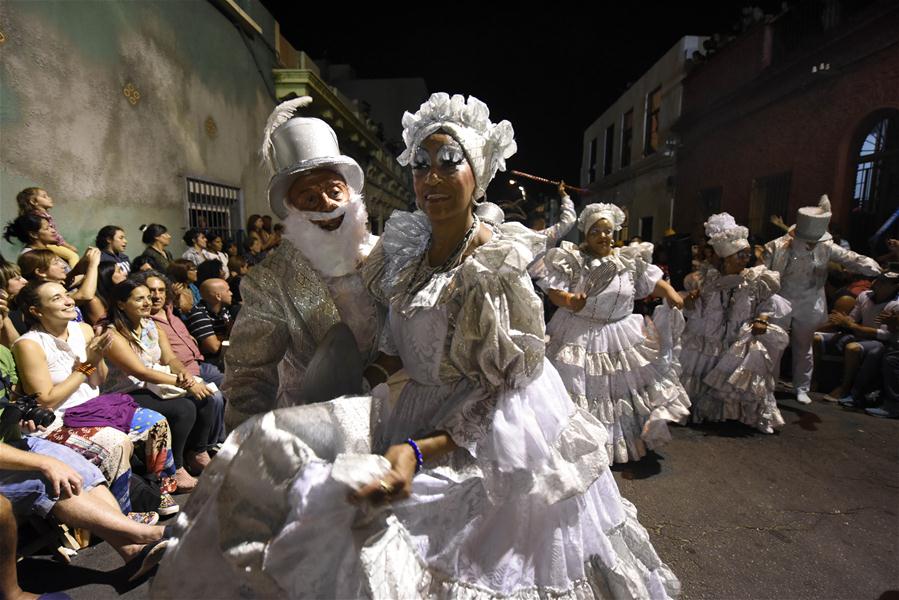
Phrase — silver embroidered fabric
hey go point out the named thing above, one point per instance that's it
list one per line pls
(471, 344)
(288, 307)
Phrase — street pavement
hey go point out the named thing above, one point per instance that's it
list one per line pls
(810, 512)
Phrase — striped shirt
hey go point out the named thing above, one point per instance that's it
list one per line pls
(202, 323)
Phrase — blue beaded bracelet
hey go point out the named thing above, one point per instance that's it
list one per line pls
(419, 459)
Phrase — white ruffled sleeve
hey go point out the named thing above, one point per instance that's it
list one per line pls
(562, 270)
(638, 257)
(646, 276)
(498, 335)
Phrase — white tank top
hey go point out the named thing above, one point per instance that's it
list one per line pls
(61, 356)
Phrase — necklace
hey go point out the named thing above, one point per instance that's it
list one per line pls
(424, 272)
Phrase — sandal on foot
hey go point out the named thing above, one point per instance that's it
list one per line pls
(186, 482)
(146, 560)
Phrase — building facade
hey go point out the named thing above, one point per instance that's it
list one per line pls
(628, 157)
(138, 112)
(801, 104)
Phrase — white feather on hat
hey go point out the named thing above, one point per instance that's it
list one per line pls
(282, 113)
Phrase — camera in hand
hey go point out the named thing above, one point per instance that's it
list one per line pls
(25, 408)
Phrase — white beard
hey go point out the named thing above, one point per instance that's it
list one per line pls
(331, 253)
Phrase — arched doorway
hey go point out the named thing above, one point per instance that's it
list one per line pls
(875, 192)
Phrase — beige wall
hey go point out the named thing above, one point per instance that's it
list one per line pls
(67, 126)
(667, 72)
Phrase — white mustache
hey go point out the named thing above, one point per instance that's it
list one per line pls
(313, 216)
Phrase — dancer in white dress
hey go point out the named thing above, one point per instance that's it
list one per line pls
(608, 357)
(731, 352)
(512, 496)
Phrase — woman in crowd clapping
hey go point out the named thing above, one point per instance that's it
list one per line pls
(63, 363)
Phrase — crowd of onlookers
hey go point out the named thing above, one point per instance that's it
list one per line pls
(112, 371)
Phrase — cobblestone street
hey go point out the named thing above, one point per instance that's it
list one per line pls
(810, 512)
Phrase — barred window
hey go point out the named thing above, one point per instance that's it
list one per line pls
(627, 136)
(651, 126)
(610, 148)
(215, 208)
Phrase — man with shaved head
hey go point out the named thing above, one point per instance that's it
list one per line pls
(209, 322)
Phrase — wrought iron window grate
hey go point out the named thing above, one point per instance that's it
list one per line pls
(214, 208)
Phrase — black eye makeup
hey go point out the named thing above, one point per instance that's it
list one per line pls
(448, 156)
(421, 160)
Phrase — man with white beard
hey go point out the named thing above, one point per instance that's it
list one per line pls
(310, 283)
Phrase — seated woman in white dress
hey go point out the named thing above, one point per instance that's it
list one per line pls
(492, 482)
(731, 353)
(609, 358)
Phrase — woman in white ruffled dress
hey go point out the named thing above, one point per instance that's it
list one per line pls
(492, 482)
(731, 353)
(611, 360)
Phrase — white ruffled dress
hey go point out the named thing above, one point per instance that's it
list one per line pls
(730, 373)
(526, 507)
(610, 359)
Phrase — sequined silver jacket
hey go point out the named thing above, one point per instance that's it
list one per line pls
(287, 310)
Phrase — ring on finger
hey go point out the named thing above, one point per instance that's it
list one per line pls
(387, 488)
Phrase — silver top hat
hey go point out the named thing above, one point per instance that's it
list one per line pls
(293, 146)
(812, 221)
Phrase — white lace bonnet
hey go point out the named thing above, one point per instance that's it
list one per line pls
(486, 145)
(594, 212)
(725, 236)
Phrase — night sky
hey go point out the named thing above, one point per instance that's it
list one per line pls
(550, 73)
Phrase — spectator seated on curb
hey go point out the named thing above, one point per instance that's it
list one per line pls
(210, 269)
(36, 233)
(81, 282)
(143, 365)
(210, 320)
(97, 310)
(254, 253)
(186, 350)
(237, 268)
(183, 275)
(112, 242)
(215, 244)
(889, 392)
(195, 240)
(11, 321)
(860, 338)
(62, 363)
(37, 201)
(40, 478)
